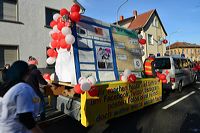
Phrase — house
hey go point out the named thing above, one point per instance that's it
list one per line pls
(191, 51)
(25, 28)
(149, 25)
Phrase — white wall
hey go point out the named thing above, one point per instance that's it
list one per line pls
(31, 36)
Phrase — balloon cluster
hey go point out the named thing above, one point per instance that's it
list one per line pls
(86, 85)
(61, 34)
(162, 77)
(127, 76)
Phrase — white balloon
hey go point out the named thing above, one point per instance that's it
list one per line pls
(51, 32)
(140, 36)
(127, 72)
(69, 39)
(66, 30)
(82, 79)
(56, 16)
(124, 78)
(85, 86)
(55, 29)
(91, 80)
(50, 60)
(52, 76)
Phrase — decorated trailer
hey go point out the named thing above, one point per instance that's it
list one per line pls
(96, 67)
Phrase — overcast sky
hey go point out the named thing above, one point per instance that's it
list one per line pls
(181, 18)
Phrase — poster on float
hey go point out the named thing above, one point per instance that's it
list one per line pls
(116, 99)
(128, 51)
(95, 50)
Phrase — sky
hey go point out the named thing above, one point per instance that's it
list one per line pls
(181, 18)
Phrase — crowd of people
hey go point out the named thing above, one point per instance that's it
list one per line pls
(21, 100)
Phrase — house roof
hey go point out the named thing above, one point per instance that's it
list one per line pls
(183, 45)
(141, 20)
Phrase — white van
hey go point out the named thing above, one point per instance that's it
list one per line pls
(178, 71)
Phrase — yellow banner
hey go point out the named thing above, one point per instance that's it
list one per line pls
(119, 98)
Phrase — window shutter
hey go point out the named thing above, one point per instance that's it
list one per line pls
(10, 10)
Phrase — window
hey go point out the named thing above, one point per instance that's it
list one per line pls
(8, 10)
(155, 22)
(150, 39)
(162, 63)
(49, 15)
(176, 63)
(8, 54)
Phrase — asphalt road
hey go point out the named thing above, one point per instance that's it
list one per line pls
(177, 113)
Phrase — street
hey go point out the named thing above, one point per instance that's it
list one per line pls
(179, 112)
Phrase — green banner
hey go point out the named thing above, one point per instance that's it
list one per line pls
(125, 32)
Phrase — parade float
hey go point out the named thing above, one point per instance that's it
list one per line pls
(98, 68)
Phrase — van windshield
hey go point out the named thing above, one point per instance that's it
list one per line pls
(162, 63)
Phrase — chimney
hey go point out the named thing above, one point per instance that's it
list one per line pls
(135, 13)
(121, 18)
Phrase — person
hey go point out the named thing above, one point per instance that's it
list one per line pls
(149, 69)
(32, 60)
(19, 104)
(35, 79)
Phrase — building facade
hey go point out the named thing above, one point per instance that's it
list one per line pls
(25, 28)
(150, 27)
(191, 51)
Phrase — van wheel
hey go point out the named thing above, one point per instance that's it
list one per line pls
(180, 87)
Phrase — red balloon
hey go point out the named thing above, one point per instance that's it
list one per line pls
(93, 91)
(120, 77)
(158, 74)
(142, 41)
(60, 25)
(165, 41)
(162, 77)
(53, 23)
(46, 76)
(50, 52)
(77, 89)
(59, 19)
(54, 44)
(55, 53)
(64, 11)
(68, 47)
(75, 16)
(164, 81)
(132, 78)
(63, 43)
(55, 36)
(75, 8)
(61, 35)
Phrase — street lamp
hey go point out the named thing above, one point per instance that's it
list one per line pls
(119, 8)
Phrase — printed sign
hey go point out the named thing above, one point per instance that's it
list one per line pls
(119, 98)
(104, 58)
(127, 48)
(137, 63)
